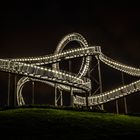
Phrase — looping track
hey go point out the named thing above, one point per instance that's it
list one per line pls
(32, 69)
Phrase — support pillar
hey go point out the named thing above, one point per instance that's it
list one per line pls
(71, 97)
(117, 107)
(86, 100)
(69, 65)
(9, 83)
(124, 98)
(88, 73)
(100, 79)
(61, 100)
(15, 90)
(33, 92)
(125, 105)
(55, 94)
(71, 89)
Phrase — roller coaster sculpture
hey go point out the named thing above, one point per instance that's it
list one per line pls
(32, 69)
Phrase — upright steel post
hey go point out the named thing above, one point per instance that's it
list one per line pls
(61, 100)
(88, 73)
(33, 92)
(69, 65)
(117, 107)
(124, 98)
(71, 89)
(86, 100)
(15, 89)
(125, 105)
(9, 82)
(100, 79)
(55, 94)
(71, 97)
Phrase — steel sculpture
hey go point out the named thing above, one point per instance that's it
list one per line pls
(31, 68)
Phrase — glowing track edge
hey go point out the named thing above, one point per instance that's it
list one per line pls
(32, 69)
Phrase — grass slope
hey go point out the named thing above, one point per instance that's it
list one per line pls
(40, 123)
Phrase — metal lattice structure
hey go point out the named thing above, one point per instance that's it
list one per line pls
(32, 69)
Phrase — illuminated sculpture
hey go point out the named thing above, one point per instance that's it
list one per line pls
(31, 68)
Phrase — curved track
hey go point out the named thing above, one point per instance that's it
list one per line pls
(32, 68)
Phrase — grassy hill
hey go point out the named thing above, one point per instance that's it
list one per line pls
(47, 123)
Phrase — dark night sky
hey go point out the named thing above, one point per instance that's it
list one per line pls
(29, 28)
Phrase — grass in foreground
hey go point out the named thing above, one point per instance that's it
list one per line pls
(40, 123)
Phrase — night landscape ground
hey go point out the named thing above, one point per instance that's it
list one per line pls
(50, 123)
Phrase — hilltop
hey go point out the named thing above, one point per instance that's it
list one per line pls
(48, 123)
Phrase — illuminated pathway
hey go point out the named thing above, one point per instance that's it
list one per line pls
(32, 68)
